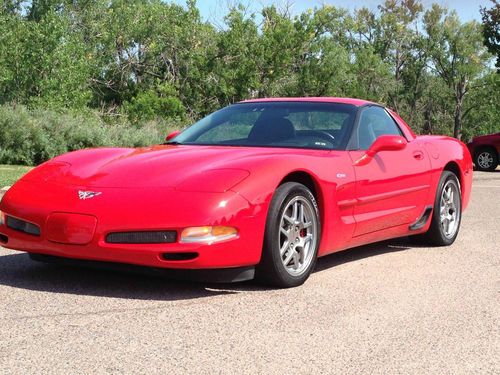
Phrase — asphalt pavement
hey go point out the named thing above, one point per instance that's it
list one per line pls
(387, 308)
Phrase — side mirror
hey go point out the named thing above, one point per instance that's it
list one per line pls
(174, 134)
(382, 143)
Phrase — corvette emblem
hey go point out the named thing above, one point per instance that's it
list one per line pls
(88, 194)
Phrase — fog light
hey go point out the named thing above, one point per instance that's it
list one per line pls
(208, 234)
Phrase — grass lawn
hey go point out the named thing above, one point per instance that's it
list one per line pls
(11, 173)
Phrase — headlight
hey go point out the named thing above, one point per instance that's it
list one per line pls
(208, 234)
(2, 218)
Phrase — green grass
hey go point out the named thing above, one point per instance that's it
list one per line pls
(11, 173)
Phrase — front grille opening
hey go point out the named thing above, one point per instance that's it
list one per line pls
(166, 236)
(3, 238)
(179, 256)
(22, 226)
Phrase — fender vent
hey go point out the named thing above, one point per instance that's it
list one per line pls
(168, 236)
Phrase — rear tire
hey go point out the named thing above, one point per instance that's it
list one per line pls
(447, 212)
(486, 159)
(291, 238)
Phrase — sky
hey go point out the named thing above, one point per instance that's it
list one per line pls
(214, 10)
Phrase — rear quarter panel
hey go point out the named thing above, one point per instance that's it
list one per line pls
(444, 152)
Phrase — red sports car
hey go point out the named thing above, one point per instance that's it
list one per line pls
(485, 151)
(260, 188)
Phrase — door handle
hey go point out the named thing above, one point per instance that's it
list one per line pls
(419, 155)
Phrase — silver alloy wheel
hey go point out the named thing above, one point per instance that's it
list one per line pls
(449, 212)
(485, 160)
(298, 235)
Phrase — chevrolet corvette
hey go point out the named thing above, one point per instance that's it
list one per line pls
(259, 189)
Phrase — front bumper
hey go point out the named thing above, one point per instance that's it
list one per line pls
(220, 275)
(121, 210)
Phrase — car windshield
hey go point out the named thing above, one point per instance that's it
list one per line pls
(274, 124)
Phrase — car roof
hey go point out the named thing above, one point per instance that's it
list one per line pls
(353, 101)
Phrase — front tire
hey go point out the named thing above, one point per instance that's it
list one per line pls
(447, 212)
(486, 159)
(291, 238)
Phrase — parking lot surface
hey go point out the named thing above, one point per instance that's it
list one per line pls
(387, 308)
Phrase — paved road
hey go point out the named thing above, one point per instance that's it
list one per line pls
(388, 308)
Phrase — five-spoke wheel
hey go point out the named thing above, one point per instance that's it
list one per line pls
(447, 212)
(486, 159)
(297, 235)
(291, 238)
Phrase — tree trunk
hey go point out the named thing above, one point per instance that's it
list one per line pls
(457, 128)
(427, 120)
(460, 91)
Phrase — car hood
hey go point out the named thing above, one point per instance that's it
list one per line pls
(158, 166)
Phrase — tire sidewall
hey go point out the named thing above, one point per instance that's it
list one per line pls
(443, 239)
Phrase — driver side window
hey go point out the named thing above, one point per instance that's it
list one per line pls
(374, 122)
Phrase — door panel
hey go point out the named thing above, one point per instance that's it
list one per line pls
(392, 189)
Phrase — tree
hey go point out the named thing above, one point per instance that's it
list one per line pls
(457, 55)
(482, 111)
(144, 60)
(235, 65)
(10, 6)
(396, 41)
(322, 63)
(42, 62)
(491, 30)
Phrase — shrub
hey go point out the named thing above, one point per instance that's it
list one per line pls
(32, 136)
(151, 104)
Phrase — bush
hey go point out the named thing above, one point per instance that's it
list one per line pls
(32, 136)
(151, 104)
